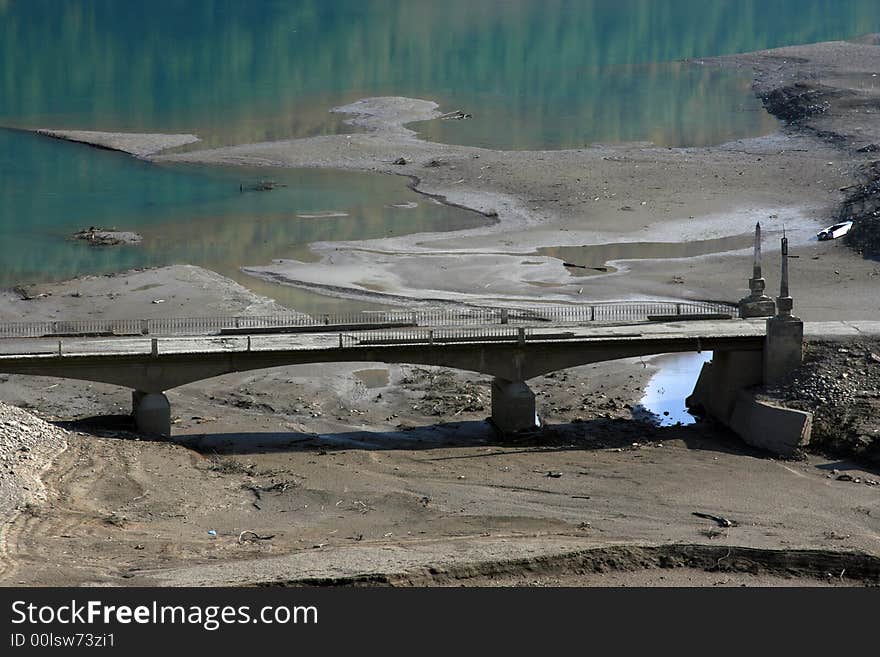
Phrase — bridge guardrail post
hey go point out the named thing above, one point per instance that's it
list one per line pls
(145, 327)
(154, 346)
(59, 349)
(521, 335)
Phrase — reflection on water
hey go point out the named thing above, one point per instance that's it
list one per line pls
(594, 258)
(671, 385)
(197, 215)
(667, 104)
(540, 73)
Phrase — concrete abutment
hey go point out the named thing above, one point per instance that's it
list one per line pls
(725, 390)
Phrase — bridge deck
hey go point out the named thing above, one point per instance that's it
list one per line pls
(508, 353)
(706, 331)
(709, 332)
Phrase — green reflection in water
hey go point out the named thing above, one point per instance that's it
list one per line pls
(195, 215)
(535, 73)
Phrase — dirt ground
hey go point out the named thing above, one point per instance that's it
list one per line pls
(391, 474)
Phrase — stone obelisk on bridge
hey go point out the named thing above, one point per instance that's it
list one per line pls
(784, 348)
(757, 304)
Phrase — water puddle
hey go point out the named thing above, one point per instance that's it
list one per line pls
(594, 258)
(673, 382)
(377, 378)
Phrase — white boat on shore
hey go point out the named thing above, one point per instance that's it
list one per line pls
(835, 231)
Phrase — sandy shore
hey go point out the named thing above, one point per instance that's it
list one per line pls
(390, 473)
(137, 144)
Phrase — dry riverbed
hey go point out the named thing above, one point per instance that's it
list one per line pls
(387, 473)
(373, 473)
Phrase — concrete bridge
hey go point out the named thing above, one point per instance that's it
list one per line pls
(150, 366)
(511, 345)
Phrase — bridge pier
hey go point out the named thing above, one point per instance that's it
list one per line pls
(783, 348)
(513, 406)
(151, 412)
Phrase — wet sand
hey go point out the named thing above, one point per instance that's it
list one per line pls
(137, 144)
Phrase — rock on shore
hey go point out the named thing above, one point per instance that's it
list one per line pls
(101, 237)
(840, 384)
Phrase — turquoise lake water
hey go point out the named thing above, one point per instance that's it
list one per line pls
(534, 74)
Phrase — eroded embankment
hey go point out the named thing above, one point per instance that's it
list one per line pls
(839, 383)
(862, 205)
(852, 567)
(830, 90)
(28, 447)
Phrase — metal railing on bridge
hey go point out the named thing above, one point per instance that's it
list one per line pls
(431, 336)
(609, 312)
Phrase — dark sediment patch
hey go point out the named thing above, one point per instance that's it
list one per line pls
(796, 102)
(862, 205)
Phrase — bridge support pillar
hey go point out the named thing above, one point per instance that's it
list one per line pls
(513, 406)
(151, 412)
(783, 348)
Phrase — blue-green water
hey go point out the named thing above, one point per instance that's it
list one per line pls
(534, 73)
(196, 215)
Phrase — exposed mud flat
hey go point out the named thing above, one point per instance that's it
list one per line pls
(800, 178)
(137, 144)
(831, 90)
(797, 178)
(107, 237)
(176, 291)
